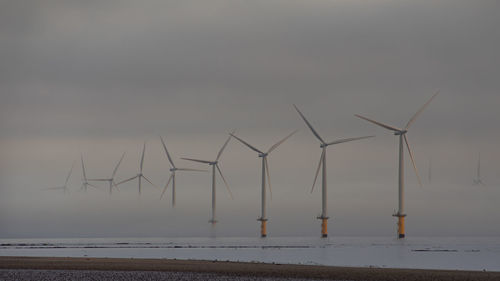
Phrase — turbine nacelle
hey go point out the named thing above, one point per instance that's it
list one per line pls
(323, 145)
(402, 132)
(263, 154)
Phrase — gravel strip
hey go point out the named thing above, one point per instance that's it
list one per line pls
(105, 275)
(58, 268)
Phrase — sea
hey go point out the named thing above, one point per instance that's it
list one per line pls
(455, 253)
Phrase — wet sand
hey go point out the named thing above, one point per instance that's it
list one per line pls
(51, 268)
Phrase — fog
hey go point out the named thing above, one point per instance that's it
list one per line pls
(99, 78)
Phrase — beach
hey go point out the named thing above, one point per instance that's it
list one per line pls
(61, 268)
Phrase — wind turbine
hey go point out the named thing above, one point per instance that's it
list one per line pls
(65, 186)
(429, 176)
(111, 180)
(322, 164)
(402, 137)
(215, 164)
(85, 181)
(140, 175)
(173, 169)
(477, 180)
(265, 170)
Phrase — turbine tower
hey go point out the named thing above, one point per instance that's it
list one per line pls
(85, 181)
(215, 164)
(173, 169)
(140, 175)
(111, 181)
(477, 180)
(265, 170)
(402, 138)
(322, 164)
(65, 186)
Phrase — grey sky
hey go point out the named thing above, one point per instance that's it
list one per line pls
(100, 77)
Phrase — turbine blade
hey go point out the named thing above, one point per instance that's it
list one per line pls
(247, 144)
(166, 152)
(113, 183)
(149, 181)
(281, 141)
(224, 146)
(127, 180)
(166, 186)
(224, 180)
(412, 160)
(69, 174)
(142, 157)
(268, 179)
(348, 140)
(198, 160)
(192, 170)
(420, 110)
(378, 123)
(117, 165)
(83, 168)
(317, 170)
(309, 125)
(93, 186)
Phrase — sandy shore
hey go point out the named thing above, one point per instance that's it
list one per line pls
(210, 270)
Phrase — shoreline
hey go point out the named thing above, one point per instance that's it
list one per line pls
(240, 269)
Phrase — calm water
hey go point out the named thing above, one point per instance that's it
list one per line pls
(472, 253)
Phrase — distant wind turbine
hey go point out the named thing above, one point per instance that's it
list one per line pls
(430, 171)
(140, 175)
(477, 180)
(402, 137)
(65, 186)
(85, 181)
(111, 181)
(215, 164)
(265, 170)
(322, 164)
(173, 169)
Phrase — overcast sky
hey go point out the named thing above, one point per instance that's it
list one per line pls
(101, 77)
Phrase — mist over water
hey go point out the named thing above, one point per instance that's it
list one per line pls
(359, 203)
